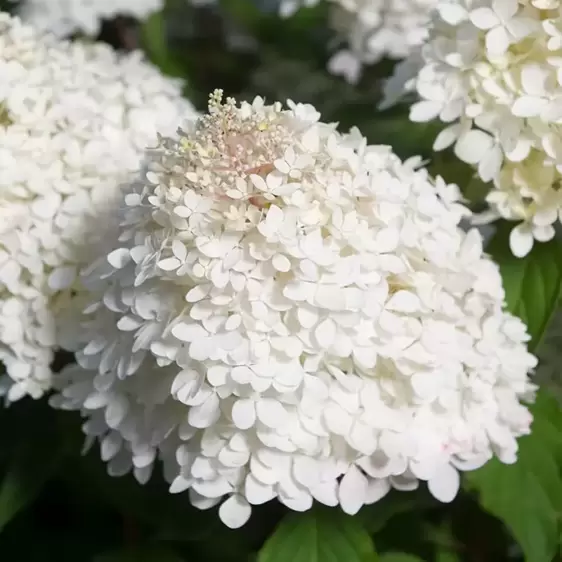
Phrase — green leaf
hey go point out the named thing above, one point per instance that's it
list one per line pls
(406, 138)
(444, 540)
(32, 462)
(527, 496)
(154, 42)
(22, 483)
(376, 516)
(399, 557)
(532, 284)
(321, 535)
(444, 555)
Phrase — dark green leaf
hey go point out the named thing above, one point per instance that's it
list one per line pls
(375, 517)
(533, 283)
(321, 535)
(527, 496)
(399, 557)
(155, 43)
(453, 170)
(33, 461)
(406, 138)
(446, 544)
(444, 555)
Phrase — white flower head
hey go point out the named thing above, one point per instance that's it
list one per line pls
(492, 70)
(373, 30)
(75, 120)
(65, 17)
(291, 313)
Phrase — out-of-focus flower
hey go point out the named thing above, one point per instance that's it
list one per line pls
(372, 29)
(75, 120)
(492, 70)
(65, 17)
(290, 313)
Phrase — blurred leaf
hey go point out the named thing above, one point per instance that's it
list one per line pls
(406, 138)
(444, 555)
(453, 170)
(39, 452)
(532, 284)
(376, 516)
(527, 496)
(246, 13)
(325, 535)
(398, 557)
(171, 518)
(22, 483)
(144, 554)
(150, 504)
(154, 40)
(446, 544)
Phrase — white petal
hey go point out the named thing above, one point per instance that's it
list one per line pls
(281, 262)
(423, 111)
(244, 414)
(307, 317)
(235, 512)
(451, 13)
(489, 166)
(352, 490)
(543, 233)
(179, 250)
(446, 138)
(484, 18)
(403, 301)
(300, 502)
(325, 333)
(497, 41)
(472, 146)
(110, 445)
(528, 106)
(257, 492)
(169, 264)
(206, 414)
(62, 278)
(201, 502)
(119, 258)
(271, 412)
(445, 484)
(198, 293)
(521, 240)
(376, 490)
(213, 488)
(189, 332)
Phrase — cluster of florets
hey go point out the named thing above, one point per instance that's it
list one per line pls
(372, 30)
(492, 70)
(65, 17)
(75, 120)
(291, 313)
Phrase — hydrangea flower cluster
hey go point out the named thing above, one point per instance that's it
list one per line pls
(65, 17)
(75, 120)
(373, 29)
(492, 70)
(290, 313)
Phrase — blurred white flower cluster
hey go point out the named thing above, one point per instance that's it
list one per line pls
(65, 17)
(492, 70)
(373, 29)
(290, 313)
(75, 120)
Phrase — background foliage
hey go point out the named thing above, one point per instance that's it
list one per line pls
(56, 505)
